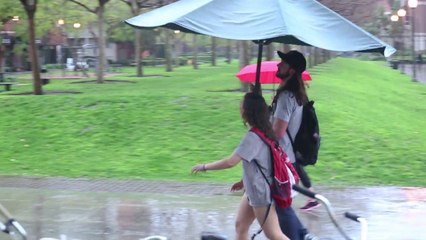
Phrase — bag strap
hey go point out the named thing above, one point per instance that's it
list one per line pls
(268, 142)
(288, 132)
(291, 139)
(264, 138)
(273, 105)
(269, 206)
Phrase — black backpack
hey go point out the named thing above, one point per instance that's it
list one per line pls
(306, 144)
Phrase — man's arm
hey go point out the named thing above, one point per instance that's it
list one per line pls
(280, 127)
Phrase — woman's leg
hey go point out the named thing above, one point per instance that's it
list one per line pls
(271, 226)
(245, 218)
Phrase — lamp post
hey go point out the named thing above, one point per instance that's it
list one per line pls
(76, 26)
(412, 4)
(396, 24)
(60, 55)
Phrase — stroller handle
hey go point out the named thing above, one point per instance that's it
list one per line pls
(304, 191)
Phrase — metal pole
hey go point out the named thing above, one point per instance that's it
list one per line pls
(257, 88)
(413, 44)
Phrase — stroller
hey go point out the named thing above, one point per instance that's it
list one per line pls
(10, 226)
(305, 235)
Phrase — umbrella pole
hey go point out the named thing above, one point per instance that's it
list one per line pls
(257, 88)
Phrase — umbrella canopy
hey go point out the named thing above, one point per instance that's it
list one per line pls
(301, 22)
(267, 73)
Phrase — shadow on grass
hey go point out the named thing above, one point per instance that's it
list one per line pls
(105, 81)
(238, 90)
(52, 92)
(148, 75)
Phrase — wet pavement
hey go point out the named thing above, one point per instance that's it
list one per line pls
(407, 69)
(71, 209)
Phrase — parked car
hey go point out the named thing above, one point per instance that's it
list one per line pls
(78, 66)
(90, 60)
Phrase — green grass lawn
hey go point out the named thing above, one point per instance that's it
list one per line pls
(372, 119)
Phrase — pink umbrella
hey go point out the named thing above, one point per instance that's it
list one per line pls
(267, 73)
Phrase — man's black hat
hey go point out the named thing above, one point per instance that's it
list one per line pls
(295, 59)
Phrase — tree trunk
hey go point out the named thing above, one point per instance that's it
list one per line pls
(316, 57)
(2, 54)
(33, 55)
(228, 51)
(244, 61)
(286, 48)
(134, 6)
(138, 53)
(269, 52)
(168, 49)
(194, 52)
(101, 43)
(213, 51)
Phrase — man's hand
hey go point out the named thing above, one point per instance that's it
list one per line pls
(237, 186)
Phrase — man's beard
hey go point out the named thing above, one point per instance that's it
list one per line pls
(282, 76)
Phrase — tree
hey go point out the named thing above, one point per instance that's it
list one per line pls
(135, 8)
(168, 49)
(8, 9)
(269, 51)
(99, 11)
(213, 50)
(194, 51)
(243, 47)
(30, 7)
(228, 51)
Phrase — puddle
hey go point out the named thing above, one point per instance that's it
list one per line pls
(70, 215)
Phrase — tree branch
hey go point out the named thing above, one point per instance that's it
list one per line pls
(126, 2)
(82, 5)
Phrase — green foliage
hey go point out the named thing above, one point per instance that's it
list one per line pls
(115, 13)
(378, 22)
(371, 119)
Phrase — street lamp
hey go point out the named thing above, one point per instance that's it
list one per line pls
(76, 26)
(412, 4)
(401, 12)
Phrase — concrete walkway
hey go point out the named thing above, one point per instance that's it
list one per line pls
(84, 209)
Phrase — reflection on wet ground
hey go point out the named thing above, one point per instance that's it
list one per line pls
(393, 213)
(408, 70)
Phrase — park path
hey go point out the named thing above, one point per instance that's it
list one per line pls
(420, 71)
(85, 209)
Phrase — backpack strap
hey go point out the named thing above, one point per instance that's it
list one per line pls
(291, 139)
(269, 205)
(288, 132)
(268, 142)
(273, 105)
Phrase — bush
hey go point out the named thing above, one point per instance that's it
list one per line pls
(52, 66)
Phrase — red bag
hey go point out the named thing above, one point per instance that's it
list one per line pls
(283, 173)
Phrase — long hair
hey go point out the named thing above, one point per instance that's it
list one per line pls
(256, 114)
(296, 86)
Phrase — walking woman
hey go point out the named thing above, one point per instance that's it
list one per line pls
(257, 198)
